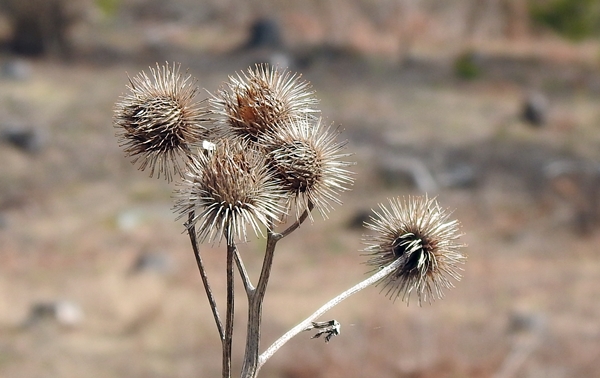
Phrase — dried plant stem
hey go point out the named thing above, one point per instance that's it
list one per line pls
(228, 337)
(297, 223)
(191, 229)
(255, 301)
(256, 298)
(243, 273)
(384, 272)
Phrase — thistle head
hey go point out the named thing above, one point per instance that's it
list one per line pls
(229, 189)
(306, 158)
(158, 122)
(253, 102)
(417, 232)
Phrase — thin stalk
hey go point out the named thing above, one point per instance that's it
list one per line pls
(227, 340)
(191, 229)
(326, 307)
(243, 273)
(298, 222)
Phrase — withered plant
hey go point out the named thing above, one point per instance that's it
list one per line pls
(258, 158)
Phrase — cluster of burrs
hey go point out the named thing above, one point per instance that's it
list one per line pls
(255, 156)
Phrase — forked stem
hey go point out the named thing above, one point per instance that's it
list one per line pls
(255, 301)
(256, 298)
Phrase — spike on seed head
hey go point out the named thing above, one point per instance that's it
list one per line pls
(306, 158)
(229, 189)
(254, 102)
(417, 232)
(158, 122)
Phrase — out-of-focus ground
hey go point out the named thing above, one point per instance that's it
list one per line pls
(76, 217)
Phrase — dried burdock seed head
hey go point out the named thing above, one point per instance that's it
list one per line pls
(158, 121)
(253, 102)
(417, 232)
(306, 158)
(229, 189)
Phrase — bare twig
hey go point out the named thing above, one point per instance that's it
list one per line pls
(191, 229)
(326, 307)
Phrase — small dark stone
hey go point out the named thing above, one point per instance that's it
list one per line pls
(28, 140)
(535, 110)
(520, 322)
(62, 313)
(156, 262)
(264, 32)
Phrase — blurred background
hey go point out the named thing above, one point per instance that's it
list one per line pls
(491, 105)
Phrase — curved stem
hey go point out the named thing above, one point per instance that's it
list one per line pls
(191, 229)
(298, 222)
(326, 307)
